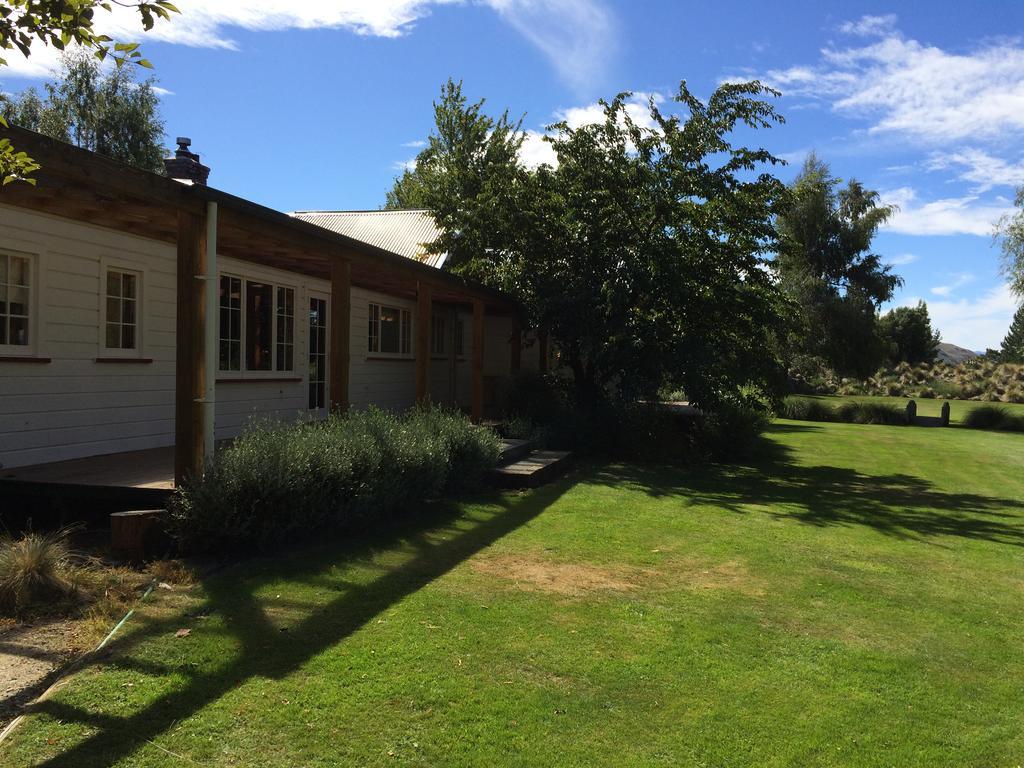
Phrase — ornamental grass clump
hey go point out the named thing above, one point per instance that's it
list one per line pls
(36, 568)
(276, 483)
(994, 417)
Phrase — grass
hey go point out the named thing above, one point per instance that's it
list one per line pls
(851, 599)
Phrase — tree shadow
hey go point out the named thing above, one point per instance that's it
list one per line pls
(438, 542)
(899, 505)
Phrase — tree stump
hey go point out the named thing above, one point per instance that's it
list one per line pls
(911, 412)
(945, 414)
(137, 534)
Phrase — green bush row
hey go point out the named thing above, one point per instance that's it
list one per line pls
(277, 483)
(994, 417)
(849, 413)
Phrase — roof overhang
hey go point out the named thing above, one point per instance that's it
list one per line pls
(78, 184)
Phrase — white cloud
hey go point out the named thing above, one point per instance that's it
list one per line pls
(980, 168)
(915, 90)
(575, 35)
(404, 165)
(418, 144)
(870, 26)
(902, 259)
(637, 107)
(948, 216)
(960, 280)
(976, 323)
(535, 151)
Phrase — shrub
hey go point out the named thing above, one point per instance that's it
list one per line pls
(276, 484)
(850, 412)
(733, 431)
(34, 568)
(799, 409)
(994, 417)
(871, 413)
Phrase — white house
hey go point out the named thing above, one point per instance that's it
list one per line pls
(139, 312)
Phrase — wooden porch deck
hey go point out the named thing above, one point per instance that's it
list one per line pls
(151, 468)
(129, 480)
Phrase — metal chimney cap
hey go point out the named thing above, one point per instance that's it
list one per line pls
(184, 142)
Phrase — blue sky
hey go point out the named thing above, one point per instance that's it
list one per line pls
(318, 104)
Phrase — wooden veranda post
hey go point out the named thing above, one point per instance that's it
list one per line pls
(477, 382)
(340, 333)
(423, 309)
(190, 358)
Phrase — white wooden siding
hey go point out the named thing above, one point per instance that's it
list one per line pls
(74, 406)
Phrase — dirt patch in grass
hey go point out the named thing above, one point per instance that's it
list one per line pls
(560, 578)
(540, 574)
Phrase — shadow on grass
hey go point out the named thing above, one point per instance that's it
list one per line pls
(899, 505)
(438, 542)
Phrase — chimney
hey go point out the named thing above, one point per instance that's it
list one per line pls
(185, 166)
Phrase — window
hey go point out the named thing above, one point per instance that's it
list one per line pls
(15, 300)
(390, 330)
(259, 319)
(285, 329)
(257, 326)
(437, 334)
(230, 324)
(121, 321)
(459, 326)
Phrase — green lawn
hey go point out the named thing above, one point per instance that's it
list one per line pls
(925, 407)
(853, 599)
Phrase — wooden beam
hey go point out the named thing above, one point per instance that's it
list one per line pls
(477, 381)
(190, 359)
(542, 343)
(423, 311)
(340, 333)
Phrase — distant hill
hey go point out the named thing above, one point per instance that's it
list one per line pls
(952, 354)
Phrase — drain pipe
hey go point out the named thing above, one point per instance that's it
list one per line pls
(211, 332)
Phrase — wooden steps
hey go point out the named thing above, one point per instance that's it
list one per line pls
(523, 466)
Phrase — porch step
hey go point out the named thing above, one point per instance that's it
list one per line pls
(513, 450)
(532, 470)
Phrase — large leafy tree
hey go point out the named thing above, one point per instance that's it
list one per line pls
(63, 23)
(1012, 350)
(826, 265)
(1009, 234)
(642, 250)
(907, 335)
(110, 113)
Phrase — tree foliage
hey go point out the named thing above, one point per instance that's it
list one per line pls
(907, 335)
(1012, 349)
(63, 23)
(109, 113)
(1009, 234)
(642, 251)
(826, 265)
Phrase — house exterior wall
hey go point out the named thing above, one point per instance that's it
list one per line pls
(75, 406)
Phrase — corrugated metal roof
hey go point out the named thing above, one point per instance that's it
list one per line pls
(405, 232)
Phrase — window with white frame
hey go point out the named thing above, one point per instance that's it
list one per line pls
(15, 302)
(285, 329)
(257, 325)
(121, 311)
(390, 330)
(230, 323)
